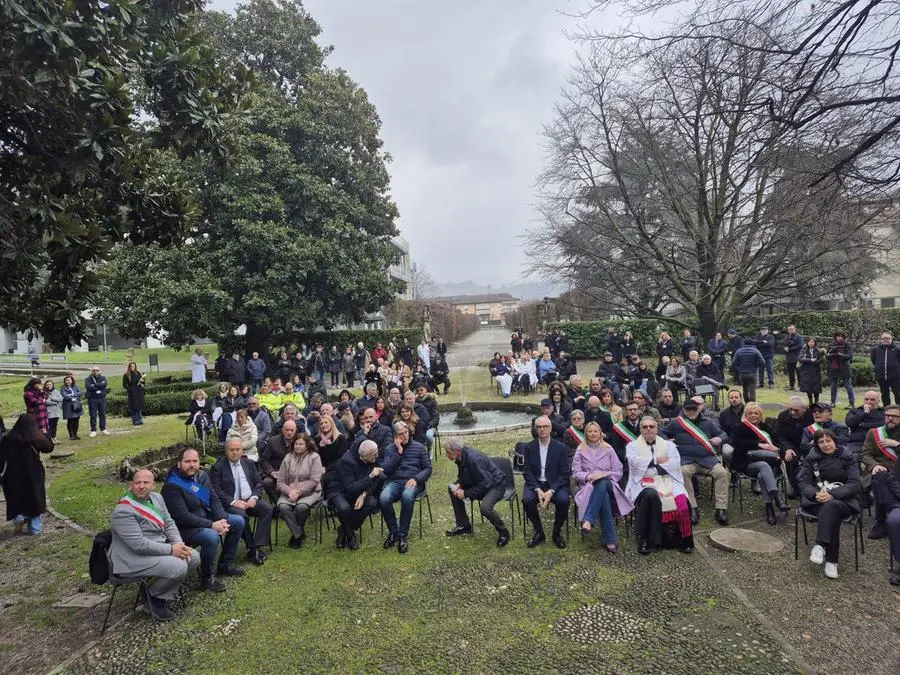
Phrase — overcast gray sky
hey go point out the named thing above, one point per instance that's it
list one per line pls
(463, 90)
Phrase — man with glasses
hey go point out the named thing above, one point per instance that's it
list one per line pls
(788, 435)
(546, 480)
(624, 432)
(404, 484)
(263, 422)
(96, 388)
(879, 459)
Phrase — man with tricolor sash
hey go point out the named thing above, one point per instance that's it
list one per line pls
(625, 431)
(822, 420)
(699, 440)
(146, 542)
(879, 457)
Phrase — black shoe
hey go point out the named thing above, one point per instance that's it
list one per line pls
(391, 540)
(643, 547)
(230, 571)
(537, 539)
(878, 531)
(341, 538)
(695, 515)
(212, 584)
(160, 609)
(77, 437)
(402, 545)
(895, 580)
(686, 547)
(458, 530)
(256, 556)
(778, 501)
(502, 538)
(722, 516)
(559, 540)
(295, 542)
(770, 514)
(352, 541)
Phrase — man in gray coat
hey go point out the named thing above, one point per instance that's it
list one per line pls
(146, 542)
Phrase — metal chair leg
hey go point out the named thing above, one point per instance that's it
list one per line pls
(796, 535)
(108, 610)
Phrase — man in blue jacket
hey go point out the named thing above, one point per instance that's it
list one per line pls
(765, 343)
(547, 474)
(96, 388)
(744, 364)
(201, 519)
(361, 476)
(256, 371)
(793, 345)
(886, 361)
(405, 483)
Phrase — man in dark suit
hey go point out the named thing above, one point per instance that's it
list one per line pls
(238, 484)
(546, 480)
(201, 519)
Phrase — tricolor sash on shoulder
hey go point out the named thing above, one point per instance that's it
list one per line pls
(193, 487)
(624, 432)
(880, 435)
(813, 428)
(697, 434)
(575, 435)
(144, 509)
(759, 433)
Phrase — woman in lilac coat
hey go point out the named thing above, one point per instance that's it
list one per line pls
(597, 471)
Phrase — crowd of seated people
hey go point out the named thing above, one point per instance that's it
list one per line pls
(615, 457)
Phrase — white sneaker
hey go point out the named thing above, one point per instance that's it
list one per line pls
(105, 432)
(831, 570)
(93, 434)
(817, 555)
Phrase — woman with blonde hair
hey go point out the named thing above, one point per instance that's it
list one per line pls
(597, 471)
(757, 456)
(200, 413)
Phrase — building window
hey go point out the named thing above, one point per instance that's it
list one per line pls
(888, 302)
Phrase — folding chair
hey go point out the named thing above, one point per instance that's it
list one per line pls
(510, 494)
(737, 484)
(422, 496)
(118, 581)
(854, 520)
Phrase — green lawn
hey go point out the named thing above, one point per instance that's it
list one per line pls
(142, 356)
(449, 605)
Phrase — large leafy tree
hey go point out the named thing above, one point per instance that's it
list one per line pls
(99, 103)
(296, 229)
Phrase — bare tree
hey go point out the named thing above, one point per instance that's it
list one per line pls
(669, 187)
(833, 57)
(422, 283)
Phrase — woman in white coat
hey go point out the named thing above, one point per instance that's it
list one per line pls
(198, 366)
(656, 488)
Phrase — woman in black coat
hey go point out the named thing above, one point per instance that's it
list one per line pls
(133, 383)
(628, 345)
(756, 455)
(23, 474)
(829, 483)
(809, 374)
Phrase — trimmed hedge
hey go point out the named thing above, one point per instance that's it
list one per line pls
(862, 327)
(164, 403)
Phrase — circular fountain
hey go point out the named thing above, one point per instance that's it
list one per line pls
(492, 417)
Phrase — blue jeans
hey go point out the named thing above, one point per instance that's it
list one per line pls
(35, 524)
(255, 386)
(97, 408)
(137, 417)
(769, 372)
(391, 492)
(600, 506)
(848, 384)
(429, 437)
(208, 541)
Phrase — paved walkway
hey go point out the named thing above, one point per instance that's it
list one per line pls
(478, 347)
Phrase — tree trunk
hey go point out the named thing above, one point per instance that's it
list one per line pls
(256, 340)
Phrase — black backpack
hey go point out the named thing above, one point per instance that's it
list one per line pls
(98, 565)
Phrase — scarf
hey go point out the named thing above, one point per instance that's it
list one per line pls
(759, 433)
(576, 435)
(661, 483)
(624, 432)
(697, 434)
(144, 508)
(880, 435)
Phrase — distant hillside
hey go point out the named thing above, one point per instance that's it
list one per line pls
(530, 290)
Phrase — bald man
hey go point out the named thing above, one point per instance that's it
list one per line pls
(868, 416)
(146, 542)
(546, 480)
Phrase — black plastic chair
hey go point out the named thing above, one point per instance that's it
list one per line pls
(855, 521)
(422, 496)
(510, 494)
(117, 582)
(737, 485)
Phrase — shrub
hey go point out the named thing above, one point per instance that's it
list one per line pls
(165, 403)
(862, 328)
(342, 338)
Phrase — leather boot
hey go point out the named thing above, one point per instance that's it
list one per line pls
(695, 515)
(770, 514)
(778, 501)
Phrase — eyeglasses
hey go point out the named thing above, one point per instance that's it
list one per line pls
(648, 426)
(541, 426)
(891, 416)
